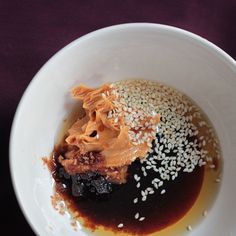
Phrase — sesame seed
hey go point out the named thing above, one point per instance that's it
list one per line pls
(149, 189)
(155, 185)
(163, 191)
(149, 144)
(116, 120)
(204, 213)
(217, 180)
(136, 215)
(156, 180)
(121, 225)
(189, 228)
(141, 218)
(135, 200)
(143, 193)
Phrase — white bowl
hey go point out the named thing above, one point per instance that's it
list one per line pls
(150, 51)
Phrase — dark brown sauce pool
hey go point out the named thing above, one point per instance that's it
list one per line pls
(117, 207)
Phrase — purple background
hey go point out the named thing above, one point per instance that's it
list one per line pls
(32, 31)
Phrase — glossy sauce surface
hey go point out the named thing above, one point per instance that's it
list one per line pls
(117, 207)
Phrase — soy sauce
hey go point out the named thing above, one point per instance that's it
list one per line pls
(160, 210)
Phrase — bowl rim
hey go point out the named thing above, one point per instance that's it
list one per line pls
(198, 39)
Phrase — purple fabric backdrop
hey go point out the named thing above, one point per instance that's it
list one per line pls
(32, 31)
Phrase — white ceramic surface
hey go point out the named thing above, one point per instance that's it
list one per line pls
(149, 51)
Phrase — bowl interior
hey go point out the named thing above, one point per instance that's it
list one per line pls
(161, 53)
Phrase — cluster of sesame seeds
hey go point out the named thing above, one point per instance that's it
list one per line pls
(182, 137)
(138, 217)
(135, 105)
